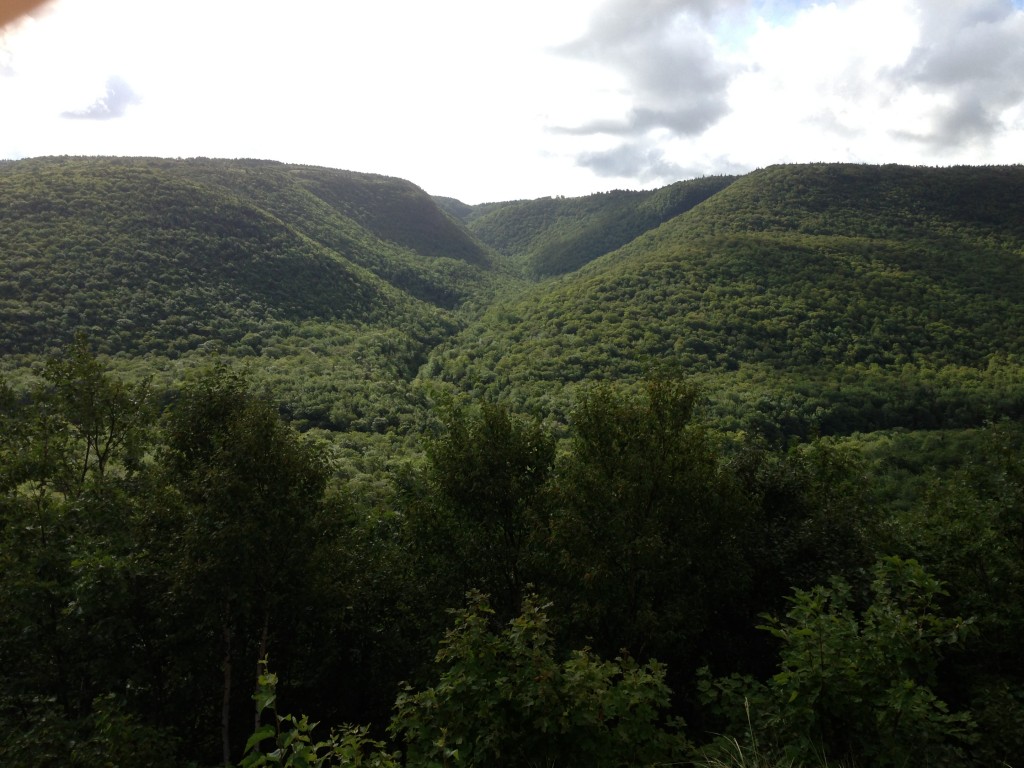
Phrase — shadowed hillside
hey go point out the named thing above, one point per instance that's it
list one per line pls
(250, 260)
(553, 236)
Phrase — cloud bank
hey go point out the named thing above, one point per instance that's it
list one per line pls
(488, 101)
(112, 104)
(869, 80)
(970, 60)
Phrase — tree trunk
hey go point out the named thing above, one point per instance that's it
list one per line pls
(261, 666)
(225, 706)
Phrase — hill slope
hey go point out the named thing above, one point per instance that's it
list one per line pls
(553, 236)
(799, 275)
(826, 298)
(178, 259)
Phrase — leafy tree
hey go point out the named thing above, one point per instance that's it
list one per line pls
(105, 418)
(486, 477)
(646, 524)
(967, 527)
(72, 577)
(856, 687)
(250, 490)
(291, 739)
(504, 699)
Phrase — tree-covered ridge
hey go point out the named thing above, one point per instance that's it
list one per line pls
(553, 236)
(813, 272)
(176, 260)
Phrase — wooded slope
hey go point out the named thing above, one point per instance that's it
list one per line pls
(801, 273)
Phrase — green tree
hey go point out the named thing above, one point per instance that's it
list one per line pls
(74, 606)
(250, 491)
(104, 417)
(486, 479)
(856, 687)
(646, 523)
(503, 698)
(291, 740)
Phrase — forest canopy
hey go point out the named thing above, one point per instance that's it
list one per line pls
(300, 466)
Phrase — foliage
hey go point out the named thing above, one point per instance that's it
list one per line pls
(247, 529)
(646, 524)
(170, 263)
(291, 739)
(503, 698)
(857, 687)
(109, 736)
(487, 474)
(553, 236)
(852, 298)
(810, 367)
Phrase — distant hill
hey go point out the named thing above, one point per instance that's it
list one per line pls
(553, 236)
(824, 298)
(173, 259)
(795, 279)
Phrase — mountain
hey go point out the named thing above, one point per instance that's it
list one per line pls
(350, 278)
(809, 299)
(841, 297)
(553, 236)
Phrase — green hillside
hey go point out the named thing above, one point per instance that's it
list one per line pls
(843, 286)
(553, 236)
(734, 479)
(333, 285)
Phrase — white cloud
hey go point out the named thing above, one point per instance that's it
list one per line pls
(485, 101)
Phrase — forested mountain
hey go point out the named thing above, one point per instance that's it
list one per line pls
(552, 236)
(351, 278)
(725, 473)
(877, 285)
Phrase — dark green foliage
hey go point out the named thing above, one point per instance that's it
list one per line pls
(810, 518)
(503, 698)
(646, 528)
(967, 527)
(291, 741)
(72, 580)
(250, 494)
(854, 685)
(487, 474)
(553, 236)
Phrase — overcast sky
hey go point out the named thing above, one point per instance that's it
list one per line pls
(485, 100)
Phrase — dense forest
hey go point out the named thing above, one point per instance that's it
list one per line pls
(305, 467)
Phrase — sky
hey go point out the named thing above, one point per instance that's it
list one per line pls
(488, 100)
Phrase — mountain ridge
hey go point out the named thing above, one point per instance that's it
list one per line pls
(790, 273)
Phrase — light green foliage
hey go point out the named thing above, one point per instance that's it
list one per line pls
(504, 699)
(553, 236)
(105, 418)
(336, 285)
(288, 741)
(856, 686)
(861, 298)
